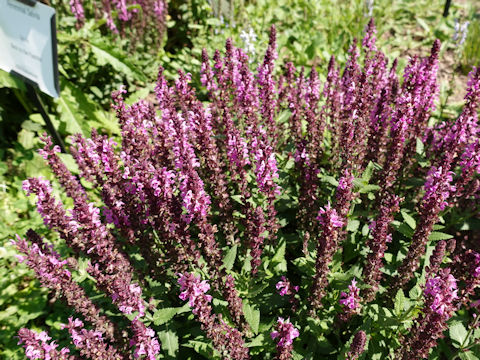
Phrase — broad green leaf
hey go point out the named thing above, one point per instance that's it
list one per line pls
(69, 114)
(367, 174)
(258, 341)
(106, 54)
(91, 114)
(457, 333)
(423, 24)
(365, 229)
(405, 230)
(247, 267)
(420, 148)
(10, 81)
(162, 316)
(436, 235)
(252, 316)
(284, 116)
(468, 355)
(353, 225)
(409, 220)
(229, 259)
(415, 292)
(69, 162)
(169, 341)
(279, 253)
(278, 260)
(399, 302)
(368, 188)
(26, 138)
(237, 198)
(204, 349)
(329, 179)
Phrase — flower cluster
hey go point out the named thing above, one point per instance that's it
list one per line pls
(285, 332)
(284, 287)
(193, 287)
(326, 248)
(224, 337)
(52, 272)
(37, 346)
(357, 346)
(438, 189)
(90, 343)
(440, 294)
(380, 237)
(144, 341)
(152, 14)
(351, 300)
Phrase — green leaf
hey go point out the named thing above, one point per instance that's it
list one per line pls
(284, 116)
(203, 348)
(258, 341)
(108, 55)
(399, 302)
(423, 24)
(458, 333)
(436, 235)
(420, 148)
(329, 179)
(10, 81)
(252, 316)
(468, 355)
(237, 198)
(279, 253)
(69, 114)
(368, 188)
(278, 260)
(353, 225)
(162, 316)
(26, 138)
(169, 341)
(230, 257)
(368, 172)
(406, 230)
(69, 162)
(415, 292)
(409, 220)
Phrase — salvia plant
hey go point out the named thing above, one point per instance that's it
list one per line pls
(285, 217)
(145, 18)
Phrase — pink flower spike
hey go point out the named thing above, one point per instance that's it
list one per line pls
(286, 333)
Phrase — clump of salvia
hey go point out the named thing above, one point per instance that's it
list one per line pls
(189, 183)
(144, 18)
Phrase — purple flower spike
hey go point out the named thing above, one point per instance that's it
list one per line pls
(440, 303)
(224, 337)
(351, 300)
(438, 189)
(285, 332)
(358, 346)
(90, 343)
(146, 345)
(326, 248)
(37, 346)
(192, 287)
(52, 272)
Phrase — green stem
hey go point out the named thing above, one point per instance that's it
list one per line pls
(467, 338)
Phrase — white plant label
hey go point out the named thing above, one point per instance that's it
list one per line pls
(28, 45)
